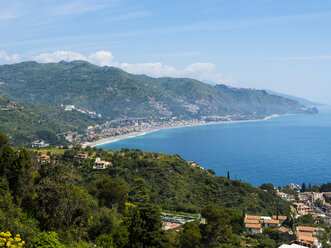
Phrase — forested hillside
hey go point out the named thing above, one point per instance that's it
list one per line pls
(25, 122)
(64, 202)
(115, 93)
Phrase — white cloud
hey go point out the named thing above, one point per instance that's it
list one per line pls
(201, 71)
(9, 58)
(101, 58)
(58, 56)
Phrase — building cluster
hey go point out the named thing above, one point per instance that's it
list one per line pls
(304, 236)
(254, 224)
(98, 164)
(313, 203)
(129, 125)
(90, 113)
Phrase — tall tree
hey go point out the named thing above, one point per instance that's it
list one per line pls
(191, 236)
(146, 228)
(217, 228)
(229, 175)
(3, 139)
(110, 193)
(303, 188)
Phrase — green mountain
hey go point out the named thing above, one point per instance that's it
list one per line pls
(114, 93)
(174, 184)
(25, 123)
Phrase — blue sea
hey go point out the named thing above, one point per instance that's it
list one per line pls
(282, 150)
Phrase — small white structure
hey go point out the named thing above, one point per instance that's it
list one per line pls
(101, 165)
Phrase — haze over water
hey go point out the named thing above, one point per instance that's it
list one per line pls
(279, 151)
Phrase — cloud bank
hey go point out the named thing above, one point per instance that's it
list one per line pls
(201, 71)
(14, 58)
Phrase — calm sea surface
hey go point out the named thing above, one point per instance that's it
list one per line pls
(280, 151)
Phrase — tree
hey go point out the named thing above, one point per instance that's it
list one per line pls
(7, 160)
(210, 171)
(21, 180)
(62, 204)
(104, 221)
(303, 188)
(268, 187)
(191, 236)
(110, 193)
(145, 229)
(229, 175)
(326, 187)
(140, 191)
(236, 221)
(217, 228)
(3, 139)
(47, 240)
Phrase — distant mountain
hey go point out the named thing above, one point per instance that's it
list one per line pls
(115, 93)
(300, 100)
(25, 123)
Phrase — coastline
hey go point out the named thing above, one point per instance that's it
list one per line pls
(107, 140)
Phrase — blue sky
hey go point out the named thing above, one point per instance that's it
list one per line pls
(280, 45)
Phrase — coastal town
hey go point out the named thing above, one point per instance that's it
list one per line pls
(126, 127)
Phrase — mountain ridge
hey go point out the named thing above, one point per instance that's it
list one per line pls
(115, 93)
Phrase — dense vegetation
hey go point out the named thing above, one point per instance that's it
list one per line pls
(65, 203)
(25, 123)
(115, 93)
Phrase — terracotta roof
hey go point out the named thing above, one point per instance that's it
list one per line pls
(254, 226)
(279, 217)
(271, 221)
(251, 221)
(306, 242)
(307, 238)
(304, 234)
(306, 228)
(253, 217)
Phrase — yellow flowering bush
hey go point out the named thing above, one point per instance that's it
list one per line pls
(8, 241)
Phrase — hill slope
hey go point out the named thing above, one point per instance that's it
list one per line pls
(115, 93)
(25, 123)
(176, 185)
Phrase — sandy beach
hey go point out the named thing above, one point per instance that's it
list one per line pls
(107, 140)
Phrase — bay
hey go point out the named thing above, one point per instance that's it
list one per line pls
(283, 150)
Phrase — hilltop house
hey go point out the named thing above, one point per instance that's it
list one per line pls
(101, 165)
(196, 165)
(44, 159)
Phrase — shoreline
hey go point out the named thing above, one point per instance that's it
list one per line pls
(112, 139)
